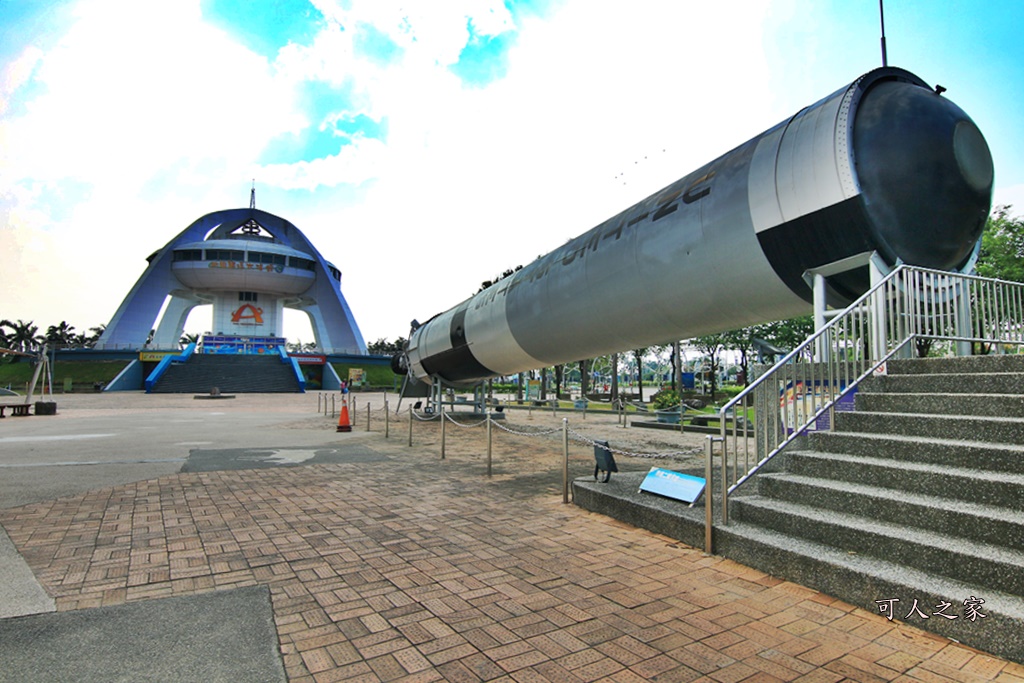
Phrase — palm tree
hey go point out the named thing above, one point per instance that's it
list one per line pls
(24, 336)
(60, 335)
(97, 332)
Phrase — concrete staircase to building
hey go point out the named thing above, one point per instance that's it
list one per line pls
(915, 496)
(239, 374)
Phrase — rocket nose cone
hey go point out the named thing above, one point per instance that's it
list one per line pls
(925, 173)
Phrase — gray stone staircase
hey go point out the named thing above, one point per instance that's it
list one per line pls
(917, 495)
(237, 374)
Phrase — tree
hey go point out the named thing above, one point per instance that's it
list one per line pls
(1002, 246)
(382, 347)
(559, 378)
(711, 345)
(487, 283)
(742, 340)
(60, 335)
(786, 334)
(638, 354)
(23, 336)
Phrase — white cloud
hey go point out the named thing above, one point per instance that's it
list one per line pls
(601, 104)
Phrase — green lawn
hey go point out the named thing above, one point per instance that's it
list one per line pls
(83, 374)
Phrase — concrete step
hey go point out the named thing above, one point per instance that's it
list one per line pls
(946, 383)
(957, 365)
(230, 374)
(975, 428)
(996, 405)
(948, 452)
(958, 558)
(969, 516)
(861, 580)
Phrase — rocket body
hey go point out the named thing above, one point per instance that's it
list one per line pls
(882, 165)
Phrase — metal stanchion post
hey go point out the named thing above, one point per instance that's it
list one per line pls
(565, 459)
(410, 425)
(367, 416)
(387, 417)
(709, 450)
(441, 413)
(353, 410)
(488, 444)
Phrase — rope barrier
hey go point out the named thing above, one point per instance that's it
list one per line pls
(448, 416)
(583, 439)
(528, 431)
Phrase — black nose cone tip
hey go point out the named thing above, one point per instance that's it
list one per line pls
(925, 173)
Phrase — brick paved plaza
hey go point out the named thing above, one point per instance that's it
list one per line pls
(410, 568)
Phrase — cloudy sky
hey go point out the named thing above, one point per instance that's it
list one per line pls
(423, 145)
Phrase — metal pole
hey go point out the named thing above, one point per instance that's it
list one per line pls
(489, 444)
(410, 425)
(440, 405)
(709, 450)
(881, 16)
(387, 417)
(565, 459)
(367, 416)
(353, 410)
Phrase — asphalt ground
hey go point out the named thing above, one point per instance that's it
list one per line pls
(167, 538)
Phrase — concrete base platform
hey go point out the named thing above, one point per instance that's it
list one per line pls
(622, 499)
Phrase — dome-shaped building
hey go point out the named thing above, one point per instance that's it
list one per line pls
(250, 265)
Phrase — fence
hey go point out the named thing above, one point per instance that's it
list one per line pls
(328, 404)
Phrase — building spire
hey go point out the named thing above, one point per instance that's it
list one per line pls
(252, 195)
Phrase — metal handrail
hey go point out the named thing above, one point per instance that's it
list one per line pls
(804, 390)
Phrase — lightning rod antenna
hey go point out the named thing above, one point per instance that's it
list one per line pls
(881, 16)
(252, 195)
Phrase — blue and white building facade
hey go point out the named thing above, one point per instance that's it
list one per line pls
(249, 265)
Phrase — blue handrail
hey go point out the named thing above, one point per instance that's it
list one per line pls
(285, 358)
(165, 363)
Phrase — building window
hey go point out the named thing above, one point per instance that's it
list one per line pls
(224, 255)
(188, 255)
(247, 296)
(264, 257)
(301, 263)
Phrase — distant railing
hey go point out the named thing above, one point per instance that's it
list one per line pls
(165, 363)
(911, 309)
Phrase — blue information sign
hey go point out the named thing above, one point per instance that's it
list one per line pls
(684, 487)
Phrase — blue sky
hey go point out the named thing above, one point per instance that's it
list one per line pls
(423, 146)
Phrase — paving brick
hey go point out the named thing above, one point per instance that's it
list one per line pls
(379, 575)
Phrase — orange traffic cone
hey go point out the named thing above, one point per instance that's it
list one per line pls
(343, 424)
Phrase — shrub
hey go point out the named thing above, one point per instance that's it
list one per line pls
(666, 399)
